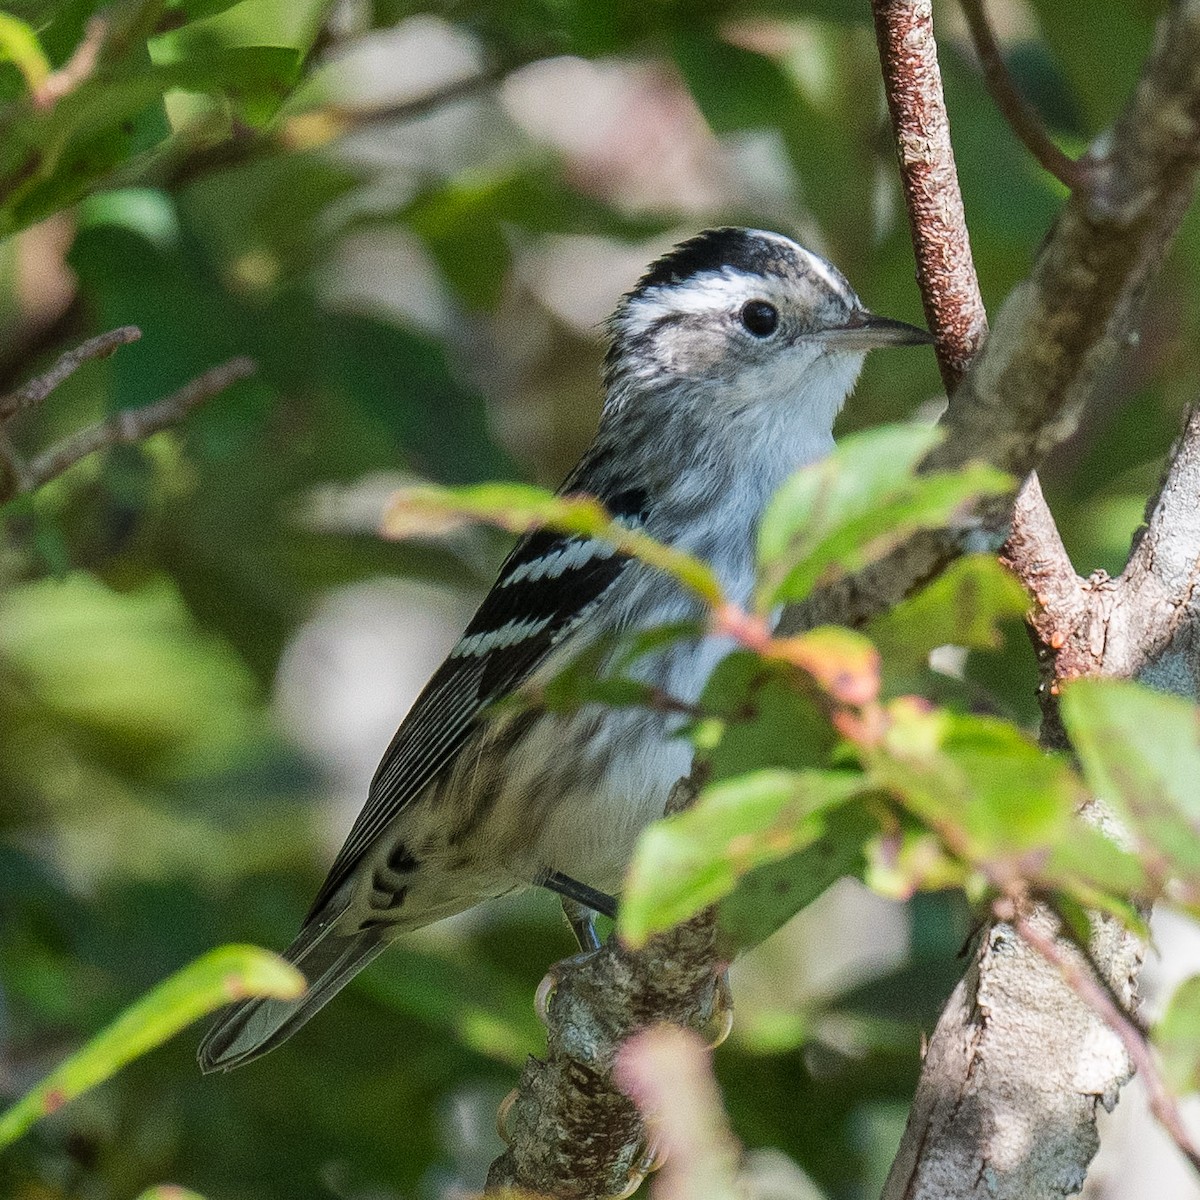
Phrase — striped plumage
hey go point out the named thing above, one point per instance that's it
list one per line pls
(727, 365)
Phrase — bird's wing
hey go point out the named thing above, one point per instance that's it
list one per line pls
(543, 592)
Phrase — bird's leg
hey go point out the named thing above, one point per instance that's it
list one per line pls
(580, 905)
(582, 921)
(589, 897)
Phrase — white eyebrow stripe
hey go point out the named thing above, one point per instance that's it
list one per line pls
(576, 554)
(508, 634)
(829, 276)
(700, 294)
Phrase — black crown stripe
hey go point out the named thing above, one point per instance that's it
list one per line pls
(713, 249)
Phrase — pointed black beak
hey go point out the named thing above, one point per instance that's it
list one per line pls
(865, 331)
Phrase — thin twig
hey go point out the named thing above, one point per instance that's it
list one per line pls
(945, 270)
(355, 119)
(36, 390)
(1087, 953)
(134, 424)
(78, 68)
(1017, 111)
(1162, 1103)
(33, 340)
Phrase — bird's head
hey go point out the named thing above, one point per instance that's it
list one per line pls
(740, 320)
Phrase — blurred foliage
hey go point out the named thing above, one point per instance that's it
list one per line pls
(230, 973)
(420, 282)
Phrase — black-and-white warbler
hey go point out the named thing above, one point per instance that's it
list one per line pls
(727, 365)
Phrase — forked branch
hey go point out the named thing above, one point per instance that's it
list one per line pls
(986, 1118)
(124, 428)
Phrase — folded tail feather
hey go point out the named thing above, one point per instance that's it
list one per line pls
(328, 958)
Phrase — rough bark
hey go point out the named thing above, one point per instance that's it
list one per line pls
(1016, 1066)
(990, 1118)
(912, 82)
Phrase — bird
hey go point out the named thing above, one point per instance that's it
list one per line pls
(727, 364)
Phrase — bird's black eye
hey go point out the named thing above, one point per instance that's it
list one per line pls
(760, 318)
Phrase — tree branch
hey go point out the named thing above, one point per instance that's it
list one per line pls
(989, 1118)
(1157, 603)
(1005, 1107)
(132, 425)
(1143, 624)
(945, 270)
(36, 390)
(1020, 115)
(121, 429)
(572, 1132)
(1063, 327)
(1035, 553)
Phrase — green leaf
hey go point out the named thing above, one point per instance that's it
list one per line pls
(169, 1191)
(998, 804)
(19, 45)
(1140, 752)
(131, 671)
(257, 79)
(767, 897)
(980, 781)
(1097, 873)
(224, 975)
(519, 508)
(964, 606)
(908, 858)
(851, 508)
(760, 719)
(51, 159)
(735, 88)
(1177, 1036)
(686, 862)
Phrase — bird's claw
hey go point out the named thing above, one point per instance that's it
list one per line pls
(720, 1018)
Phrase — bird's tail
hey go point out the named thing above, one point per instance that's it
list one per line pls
(329, 959)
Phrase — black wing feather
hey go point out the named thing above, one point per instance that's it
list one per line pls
(450, 707)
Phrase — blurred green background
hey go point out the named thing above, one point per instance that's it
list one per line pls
(204, 646)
